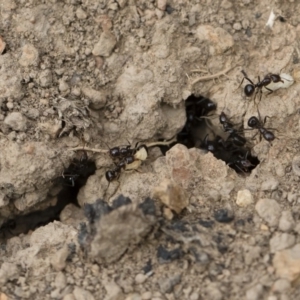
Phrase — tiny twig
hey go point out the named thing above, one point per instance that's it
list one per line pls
(89, 149)
(149, 145)
(165, 143)
(209, 77)
(199, 70)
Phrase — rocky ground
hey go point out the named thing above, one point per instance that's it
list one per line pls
(101, 73)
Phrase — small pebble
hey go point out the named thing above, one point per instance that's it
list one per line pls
(244, 198)
(2, 45)
(194, 296)
(226, 4)
(29, 56)
(16, 121)
(113, 291)
(237, 26)
(223, 215)
(81, 14)
(270, 184)
(140, 278)
(296, 165)
(147, 295)
(10, 105)
(255, 293)
(60, 280)
(269, 210)
(105, 45)
(8, 271)
(134, 296)
(281, 285)
(286, 221)
(167, 285)
(171, 194)
(281, 241)
(45, 78)
(162, 4)
(58, 260)
(81, 294)
(63, 86)
(69, 297)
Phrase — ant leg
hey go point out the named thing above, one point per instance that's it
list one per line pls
(270, 91)
(254, 136)
(246, 77)
(260, 96)
(129, 145)
(236, 166)
(265, 119)
(249, 80)
(136, 145)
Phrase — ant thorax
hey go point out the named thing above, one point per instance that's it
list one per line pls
(133, 166)
(141, 153)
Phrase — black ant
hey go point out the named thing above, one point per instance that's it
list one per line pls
(118, 152)
(240, 161)
(200, 105)
(236, 139)
(250, 88)
(211, 146)
(256, 123)
(75, 169)
(128, 163)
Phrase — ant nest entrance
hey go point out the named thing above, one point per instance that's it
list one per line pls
(223, 139)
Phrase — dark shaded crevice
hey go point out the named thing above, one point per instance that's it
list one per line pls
(226, 142)
(74, 177)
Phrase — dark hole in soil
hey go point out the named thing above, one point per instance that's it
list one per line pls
(226, 142)
(73, 178)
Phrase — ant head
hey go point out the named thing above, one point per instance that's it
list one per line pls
(207, 105)
(210, 146)
(141, 152)
(114, 152)
(276, 78)
(249, 89)
(253, 122)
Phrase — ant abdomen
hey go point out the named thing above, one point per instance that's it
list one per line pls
(268, 135)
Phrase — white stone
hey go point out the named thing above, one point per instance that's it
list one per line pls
(281, 285)
(30, 56)
(255, 293)
(105, 45)
(286, 221)
(81, 14)
(140, 278)
(244, 198)
(269, 210)
(287, 263)
(162, 4)
(81, 294)
(16, 121)
(281, 241)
